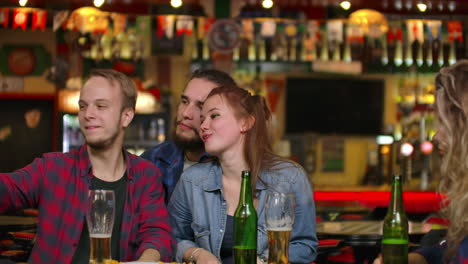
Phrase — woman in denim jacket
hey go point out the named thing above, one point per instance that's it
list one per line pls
(235, 129)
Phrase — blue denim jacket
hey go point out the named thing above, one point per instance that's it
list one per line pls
(169, 159)
(198, 210)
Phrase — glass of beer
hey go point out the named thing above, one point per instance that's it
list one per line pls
(279, 218)
(100, 220)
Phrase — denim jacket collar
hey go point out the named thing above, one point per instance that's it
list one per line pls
(216, 173)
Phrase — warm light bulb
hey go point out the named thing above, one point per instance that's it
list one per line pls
(176, 3)
(406, 149)
(23, 2)
(345, 5)
(98, 3)
(267, 3)
(422, 7)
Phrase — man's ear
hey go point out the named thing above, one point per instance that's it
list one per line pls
(247, 124)
(127, 116)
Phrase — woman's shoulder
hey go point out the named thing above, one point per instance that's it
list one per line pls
(199, 171)
(284, 170)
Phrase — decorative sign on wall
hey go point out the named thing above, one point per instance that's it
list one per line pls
(24, 60)
(333, 155)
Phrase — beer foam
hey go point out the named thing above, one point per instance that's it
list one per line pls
(279, 229)
(100, 235)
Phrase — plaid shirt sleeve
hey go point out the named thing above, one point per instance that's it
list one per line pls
(20, 189)
(154, 228)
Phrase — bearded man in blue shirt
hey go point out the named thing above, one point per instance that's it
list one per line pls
(186, 148)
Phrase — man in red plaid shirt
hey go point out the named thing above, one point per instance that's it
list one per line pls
(58, 184)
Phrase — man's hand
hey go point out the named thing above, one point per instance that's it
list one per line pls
(149, 255)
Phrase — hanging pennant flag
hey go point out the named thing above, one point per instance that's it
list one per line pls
(169, 29)
(247, 29)
(291, 30)
(454, 31)
(268, 29)
(375, 30)
(20, 18)
(208, 22)
(395, 39)
(184, 25)
(119, 23)
(311, 38)
(39, 19)
(59, 18)
(395, 33)
(433, 31)
(143, 31)
(355, 33)
(165, 26)
(143, 25)
(161, 22)
(274, 89)
(415, 30)
(313, 30)
(324, 42)
(335, 31)
(335, 38)
(4, 17)
(434, 35)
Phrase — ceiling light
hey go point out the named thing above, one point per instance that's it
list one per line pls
(408, 5)
(176, 3)
(422, 7)
(345, 5)
(267, 3)
(23, 2)
(452, 5)
(398, 4)
(440, 6)
(98, 3)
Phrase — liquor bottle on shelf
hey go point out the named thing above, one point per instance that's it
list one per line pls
(161, 130)
(245, 225)
(395, 227)
(153, 130)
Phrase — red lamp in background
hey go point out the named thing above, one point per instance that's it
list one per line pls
(427, 147)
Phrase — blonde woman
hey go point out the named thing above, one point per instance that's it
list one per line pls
(452, 139)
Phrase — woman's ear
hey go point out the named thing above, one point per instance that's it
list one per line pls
(247, 124)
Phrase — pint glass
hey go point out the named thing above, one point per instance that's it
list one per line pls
(279, 214)
(100, 220)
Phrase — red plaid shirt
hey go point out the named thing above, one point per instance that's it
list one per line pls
(57, 185)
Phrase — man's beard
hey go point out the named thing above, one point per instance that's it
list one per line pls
(103, 143)
(189, 144)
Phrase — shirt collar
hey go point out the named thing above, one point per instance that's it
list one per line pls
(85, 166)
(171, 152)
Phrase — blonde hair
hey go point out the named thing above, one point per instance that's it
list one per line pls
(127, 85)
(452, 88)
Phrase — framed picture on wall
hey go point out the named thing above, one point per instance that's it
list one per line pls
(27, 129)
(333, 155)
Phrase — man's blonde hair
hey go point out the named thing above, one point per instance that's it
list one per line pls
(127, 86)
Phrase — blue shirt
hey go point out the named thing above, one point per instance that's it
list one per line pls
(198, 210)
(434, 254)
(169, 159)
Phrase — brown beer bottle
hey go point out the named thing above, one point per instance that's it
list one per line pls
(395, 228)
(245, 225)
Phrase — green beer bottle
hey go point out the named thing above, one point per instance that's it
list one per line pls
(245, 225)
(395, 228)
